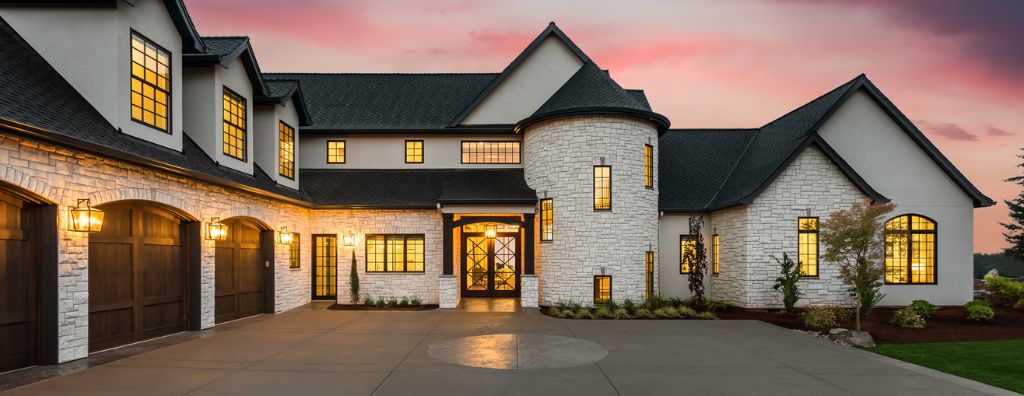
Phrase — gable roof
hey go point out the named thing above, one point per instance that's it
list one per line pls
(592, 91)
(278, 91)
(550, 30)
(222, 50)
(415, 188)
(373, 102)
(769, 150)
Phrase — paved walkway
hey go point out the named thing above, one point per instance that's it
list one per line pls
(316, 351)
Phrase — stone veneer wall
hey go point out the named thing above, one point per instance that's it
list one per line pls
(558, 158)
(810, 183)
(384, 284)
(731, 282)
(63, 176)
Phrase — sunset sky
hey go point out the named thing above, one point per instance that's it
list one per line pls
(956, 68)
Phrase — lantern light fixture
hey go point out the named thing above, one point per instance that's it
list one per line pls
(491, 232)
(285, 236)
(215, 230)
(84, 218)
(349, 239)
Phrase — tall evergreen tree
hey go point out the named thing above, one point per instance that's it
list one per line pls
(1015, 228)
(698, 261)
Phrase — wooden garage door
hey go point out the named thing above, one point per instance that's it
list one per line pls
(239, 272)
(19, 277)
(137, 276)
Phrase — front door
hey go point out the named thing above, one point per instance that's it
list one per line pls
(490, 266)
(325, 267)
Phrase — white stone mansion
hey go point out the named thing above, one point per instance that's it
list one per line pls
(227, 192)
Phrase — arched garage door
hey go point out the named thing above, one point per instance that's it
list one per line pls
(138, 266)
(240, 271)
(19, 282)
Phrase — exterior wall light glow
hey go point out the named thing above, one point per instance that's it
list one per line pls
(490, 232)
(84, 218)
(215, 230)
(285, 236)
(349, 239)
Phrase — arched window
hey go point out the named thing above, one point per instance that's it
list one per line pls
(910, 250)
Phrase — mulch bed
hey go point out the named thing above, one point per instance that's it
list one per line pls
(347, 307)
(948, 324)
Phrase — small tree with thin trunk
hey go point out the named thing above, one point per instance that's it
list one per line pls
(854, 240)
(353, 277)
(698, 261)
(1015, 227)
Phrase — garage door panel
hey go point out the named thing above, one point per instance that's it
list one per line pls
(250, 303)
(225, 269)
(162, 271)
(110, 328)
(14, 350)
(250, 271)
(239, 272)
(163, 318)
(111, 265)
(19, 279)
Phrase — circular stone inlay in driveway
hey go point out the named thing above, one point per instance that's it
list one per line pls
(518, 351)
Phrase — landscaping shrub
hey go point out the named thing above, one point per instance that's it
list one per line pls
(979, 311)
(923, 308)
(643, 313)
(584, 313)
(686, 312)
(1019, 304)
(368, 301)
(404, 302)
(392, 302)
(718, 305)
(788, 282)
(666, 313)
(415, 301)
(353, 280)
(907, 318)
(1005, 290)
(656, 302)
(620, 313)
(820, 317)
(381, 302)
(603, 312)
(843, 314)
(705, 315)
(629, 305)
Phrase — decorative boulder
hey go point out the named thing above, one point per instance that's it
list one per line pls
(851, 338)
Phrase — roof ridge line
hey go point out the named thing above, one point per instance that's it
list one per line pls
(733, 170)
(814, 100)
(378, 73)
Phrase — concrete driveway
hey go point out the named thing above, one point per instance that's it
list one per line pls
(317, 351)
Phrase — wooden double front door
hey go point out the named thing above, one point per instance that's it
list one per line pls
(490, 266)
(138, 269)
(240, 271)
(19, 281)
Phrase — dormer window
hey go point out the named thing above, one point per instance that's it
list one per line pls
(151, 83)
(234, 125)
(286, 150)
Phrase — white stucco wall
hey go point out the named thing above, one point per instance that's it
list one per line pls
(91, 49)
(670, 227)
(388, 151)
(896, 167)
(235, 78)
(527, 87)
(267, 141)
(559, 159)
(201, 97)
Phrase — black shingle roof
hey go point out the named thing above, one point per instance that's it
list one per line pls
(223, 45)
(694, 163)
(385, 101)
(416, 188)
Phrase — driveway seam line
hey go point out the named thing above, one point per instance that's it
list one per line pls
(411, 350)
(598, 364)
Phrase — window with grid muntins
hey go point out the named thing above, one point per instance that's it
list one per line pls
(910, 250)
(687, 253)
(335, 151)
(151, 83)
(648, 166)
(602, 289)
(286, 150)
(547, 227)
(807, 248)
(602, 187)
(325, 265)
(234, 125)
(490, 152)
(293, 252)
(714, 254)
(414, 151)
(649, 270)
(394, 253)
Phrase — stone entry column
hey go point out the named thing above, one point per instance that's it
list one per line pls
(530, 287)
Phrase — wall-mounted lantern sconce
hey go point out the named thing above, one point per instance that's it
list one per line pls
(349, 239)
(285, 236)
(84, 218)
(215, 230)
(491, 232)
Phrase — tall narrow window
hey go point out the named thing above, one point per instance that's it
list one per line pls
(234, 125)
(602, 187)
(547, 227)
(490, 152)
(414, 151)
(286, 150)
(714, 254)
(649, 270)
(293, 252)
(687, 253)
(325, 266)
(910, 250)
(394, 253)
(648, 166)
(151, 83)
(335, 151)
(807, 249)
(602, 289)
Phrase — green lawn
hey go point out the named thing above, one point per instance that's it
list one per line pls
(997, 363)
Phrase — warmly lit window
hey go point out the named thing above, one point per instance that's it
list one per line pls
(335, 151)
(547, 227)
(151, 83)
(687, 253)
(414, 151)
(649, 270)
(602, 187)
(286, 150)
(325, 266)
(602, 289)
(484, 152)
(394, 253)
(648, 166)
(234, 125)
(910, 250)
(807, 250)
(714, 254)
(293, 252)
